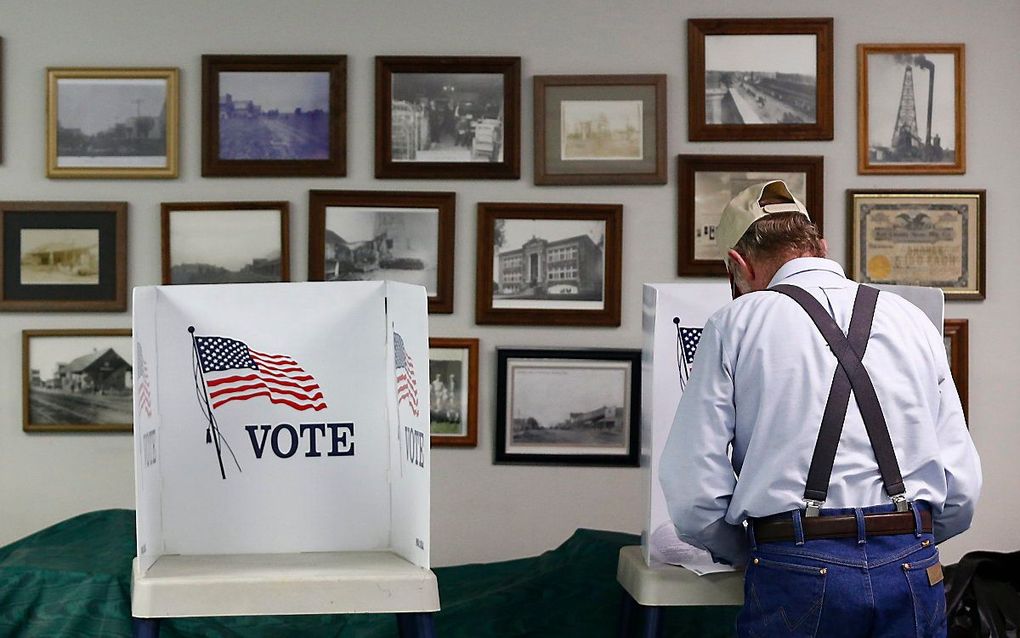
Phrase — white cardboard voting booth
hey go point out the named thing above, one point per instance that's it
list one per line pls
(281, 430)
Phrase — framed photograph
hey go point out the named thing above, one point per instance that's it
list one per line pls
(63, 256)
(920, 238)
(549, 264)
(376, 235)
(225, 242)
(448, 117)
(274, 115)
(453, 391)
(708, 182)
(76, 380)
(759, 79)
(568, 407)
(600, 129)
(114, 123)
(1, 100)
(910, 109)
(957, 337)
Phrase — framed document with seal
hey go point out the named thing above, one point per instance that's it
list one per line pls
(919, 238)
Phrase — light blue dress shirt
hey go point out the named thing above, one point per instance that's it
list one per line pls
(760, 381)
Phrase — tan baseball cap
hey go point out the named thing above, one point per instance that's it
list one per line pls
(746, 208)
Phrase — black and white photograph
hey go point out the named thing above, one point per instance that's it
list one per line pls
(229, 242)
(447, 117)
(549, 263)
(274, 115)
(112, 122)
(59, 256)
(453, 391)
(77, 380)
(377, 235)
(563, 404)
(912, 117)
(760, 79)
(601, 130)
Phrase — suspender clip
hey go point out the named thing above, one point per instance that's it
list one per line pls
(812, 508)
(900, 500)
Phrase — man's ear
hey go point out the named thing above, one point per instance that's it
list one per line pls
(743, 268)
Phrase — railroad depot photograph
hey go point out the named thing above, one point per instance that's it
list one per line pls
(714, 189)
(448, 392)
(79, 380)
(225, 246)
(59, 256)
(567, 403)
(447, 117)
(548, 263)
(372, 244)
(111, 122)
(601, 130)
(274, 115)
(760, 79)
(911, 108)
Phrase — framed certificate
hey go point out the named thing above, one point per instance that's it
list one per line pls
(919, 238)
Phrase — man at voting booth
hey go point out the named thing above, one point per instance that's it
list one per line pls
(843, 500)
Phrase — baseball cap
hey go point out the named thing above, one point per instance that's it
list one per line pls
(746, 208)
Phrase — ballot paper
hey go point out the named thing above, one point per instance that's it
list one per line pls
(667, 548)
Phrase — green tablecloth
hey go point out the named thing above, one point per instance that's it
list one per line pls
(74, 578)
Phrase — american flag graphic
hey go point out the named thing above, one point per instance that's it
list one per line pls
(687, 345)
(142, 391)
(234, 372)
(407, 385)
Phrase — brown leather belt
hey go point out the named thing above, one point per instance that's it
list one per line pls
(780, 527)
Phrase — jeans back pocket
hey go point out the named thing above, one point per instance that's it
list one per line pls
(781, 599)
(929, 600)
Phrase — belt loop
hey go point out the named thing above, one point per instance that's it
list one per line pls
(798, 528)
(862, 536)
(750, 536)
(917, 520)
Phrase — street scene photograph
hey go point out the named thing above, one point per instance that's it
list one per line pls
(273, 115)
(59, 256)
(79, 380)
(447, 117)
(601, 130)
(225, 246)
(760, 79)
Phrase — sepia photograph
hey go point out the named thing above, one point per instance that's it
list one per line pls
(910, 108)
(77, 380)
(225, 242)
(568, 406)
(601, 129)
(453, 391)
(63, 256)
(378, 235)
(112, 123)
(274, 115)
(768, 79)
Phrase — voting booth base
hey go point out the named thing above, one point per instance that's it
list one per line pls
(282, 454)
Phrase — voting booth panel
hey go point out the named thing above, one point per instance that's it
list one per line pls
(281, 419)
(673, 318)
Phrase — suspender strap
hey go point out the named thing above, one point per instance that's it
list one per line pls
(850, 373)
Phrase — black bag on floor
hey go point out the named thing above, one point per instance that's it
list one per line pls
(983, 596)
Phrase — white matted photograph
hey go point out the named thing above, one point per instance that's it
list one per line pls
(760, 79)
(59, 256)
(549, 263)
(601, 130)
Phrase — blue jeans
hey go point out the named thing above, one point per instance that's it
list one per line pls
(846, 587)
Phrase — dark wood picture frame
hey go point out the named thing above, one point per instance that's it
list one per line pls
(956, 333)
(648, 169)
(108, 294)
(973, 286)
(609, 315)
(63, 400)
(445, 205)
(865, 163)
(470, 418)
(632, 412)
(387, 167)
(699, 130)
(334, 165)
(168, 209)
(688, 166)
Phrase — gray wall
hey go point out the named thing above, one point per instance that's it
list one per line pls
(483, 512)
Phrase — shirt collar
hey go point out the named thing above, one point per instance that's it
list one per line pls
(815, 271)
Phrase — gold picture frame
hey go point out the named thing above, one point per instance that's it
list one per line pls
(134, 137)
